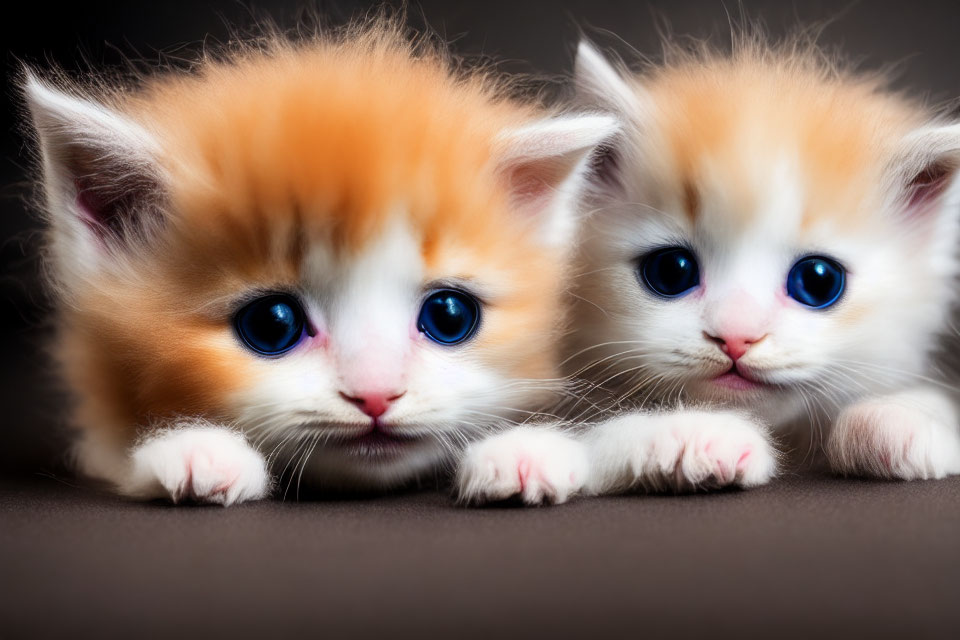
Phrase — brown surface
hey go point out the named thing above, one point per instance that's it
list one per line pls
(810, 556)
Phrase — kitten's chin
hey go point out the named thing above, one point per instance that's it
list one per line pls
(377, 445)
(775, 404)
(374, 461)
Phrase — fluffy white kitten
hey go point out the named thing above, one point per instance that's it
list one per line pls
(772, 241)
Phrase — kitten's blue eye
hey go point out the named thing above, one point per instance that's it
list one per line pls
(271, 325)
(816, 282)
(670, 272)
(449, 316)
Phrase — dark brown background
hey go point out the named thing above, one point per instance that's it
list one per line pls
(807, 556)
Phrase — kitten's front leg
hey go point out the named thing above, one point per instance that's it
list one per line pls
(681, 450)
(196, 461)
(538, 464)
(909, 435)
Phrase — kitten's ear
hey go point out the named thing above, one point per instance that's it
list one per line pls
(544, 165)
(599, 84)
(100, 175)
(925, 169)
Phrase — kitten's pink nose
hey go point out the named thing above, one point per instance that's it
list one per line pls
(372, 403)
(735, 345)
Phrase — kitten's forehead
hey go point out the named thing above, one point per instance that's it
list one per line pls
(749, 193)
(752, 145)
(333, 146)
(393, 254)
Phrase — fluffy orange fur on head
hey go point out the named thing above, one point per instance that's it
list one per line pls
(724, 118)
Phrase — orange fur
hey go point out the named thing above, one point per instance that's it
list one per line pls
(271, 152)
(722, 121)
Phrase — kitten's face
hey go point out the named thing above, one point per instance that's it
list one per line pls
(350, 256)
(754, 250)
(378, 379)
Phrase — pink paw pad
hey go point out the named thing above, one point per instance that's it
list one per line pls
(744, 457)
(722, 472)
(523, 472)
(202, 464)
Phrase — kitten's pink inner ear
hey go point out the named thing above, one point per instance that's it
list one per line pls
(541, 164)
(927, 186)
(533, 184)
(112, 210)
(101, 167)
(926, 166)
(100, 214)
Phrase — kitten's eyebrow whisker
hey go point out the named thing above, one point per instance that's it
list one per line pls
(622, 204)
(583, 274)
(590, 302)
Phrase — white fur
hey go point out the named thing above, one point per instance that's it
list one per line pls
(900, 271)
(536, 464)
(911, 435)
(196, 461)
(602, 86)
(679, 451)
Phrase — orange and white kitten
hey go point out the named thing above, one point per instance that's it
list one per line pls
(773, 240)
(333, 261)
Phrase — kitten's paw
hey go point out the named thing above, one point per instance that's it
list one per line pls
(704, 450)
(691, 450)
(200, 463)
(883, 438)
(539, 466)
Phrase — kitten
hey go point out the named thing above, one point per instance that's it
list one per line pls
(332, 261)
(773, 236)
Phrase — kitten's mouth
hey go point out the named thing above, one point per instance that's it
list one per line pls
(735, 380)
